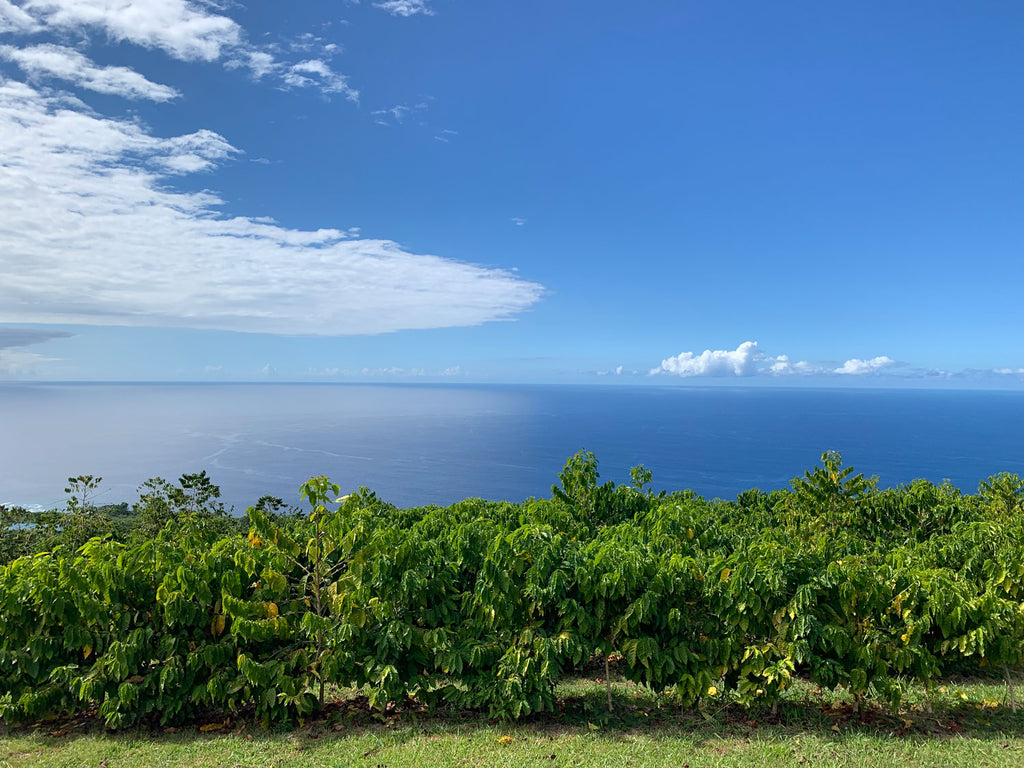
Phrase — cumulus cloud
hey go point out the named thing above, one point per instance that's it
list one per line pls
(749, 360)
(92, 232)
(405, 7)
(740, 362)
(187, 30)
(858, 367)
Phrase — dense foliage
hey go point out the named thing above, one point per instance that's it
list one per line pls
(174, 612)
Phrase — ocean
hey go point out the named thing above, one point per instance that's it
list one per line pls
(437, 444)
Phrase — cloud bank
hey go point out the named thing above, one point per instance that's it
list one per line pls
(91, 232)
(15, 361)
(749, 360)
(24, 337)
(94, 231)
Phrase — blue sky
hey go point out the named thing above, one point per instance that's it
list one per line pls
(450, 190)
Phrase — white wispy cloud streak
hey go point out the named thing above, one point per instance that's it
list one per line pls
(405, 7)
(186, 30)
(318, 73)
(92, 232)
(398, 113)
(58, 61)
(749, 360)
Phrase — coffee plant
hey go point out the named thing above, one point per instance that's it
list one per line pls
(173, 614)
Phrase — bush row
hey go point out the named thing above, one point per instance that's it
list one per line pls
(487, 604)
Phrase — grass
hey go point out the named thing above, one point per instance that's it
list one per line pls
(970, 725)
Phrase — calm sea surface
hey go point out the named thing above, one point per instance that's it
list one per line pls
(439, 444)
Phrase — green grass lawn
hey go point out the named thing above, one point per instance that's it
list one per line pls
(970, 724)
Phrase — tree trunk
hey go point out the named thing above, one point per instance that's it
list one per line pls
(1009, 686)
(608, 681)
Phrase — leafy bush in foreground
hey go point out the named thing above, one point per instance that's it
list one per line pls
(487, 604)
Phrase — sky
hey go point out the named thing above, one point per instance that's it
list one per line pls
(659, 192)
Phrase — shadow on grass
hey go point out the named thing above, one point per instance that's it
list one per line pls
(967, 708)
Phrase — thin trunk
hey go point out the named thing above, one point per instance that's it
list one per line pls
(318, 604)
(1009, 686)
(321, 689)
(608, 681)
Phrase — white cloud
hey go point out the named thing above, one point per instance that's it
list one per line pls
(519, 221)
(398, 114)
(307, 41)
(329, 372)
(19, 362)
(14, 19)
(858, 367)
(188, 30)
(405, 7)
(783, 366)
(91, 232)
(740, 362)
(185, 30)
(1009, 371)
(68, 64)
(455, 370)
(749, 360)
(316, 72)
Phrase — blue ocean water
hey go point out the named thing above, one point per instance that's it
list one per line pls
(439, 444)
